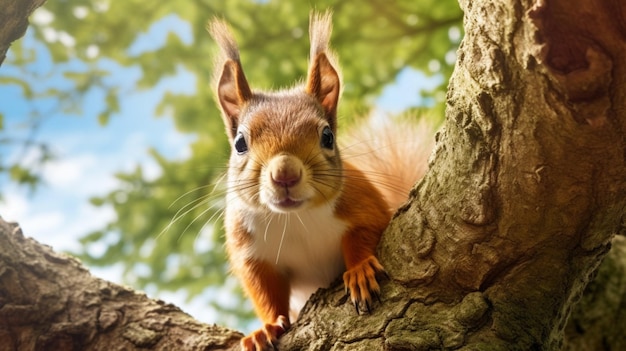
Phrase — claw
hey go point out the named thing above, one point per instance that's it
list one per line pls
(377, 295)
(265, 338)
(361, 283)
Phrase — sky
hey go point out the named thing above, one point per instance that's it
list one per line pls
(87, 155)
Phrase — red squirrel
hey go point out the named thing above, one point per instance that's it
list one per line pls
(297, 215)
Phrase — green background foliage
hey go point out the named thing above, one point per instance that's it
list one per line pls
(159, 222)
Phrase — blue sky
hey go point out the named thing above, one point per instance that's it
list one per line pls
(88, 154)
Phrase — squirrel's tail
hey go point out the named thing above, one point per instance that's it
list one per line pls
(392, 152)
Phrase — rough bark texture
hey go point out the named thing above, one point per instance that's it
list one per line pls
(598, 321)
(49, 301)
(527, 188)
(526, 191)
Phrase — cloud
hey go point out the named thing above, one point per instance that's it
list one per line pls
(67, 172)
(13, 206)
(43, 226)
(179, 144)
(81, 175)
(56, 223)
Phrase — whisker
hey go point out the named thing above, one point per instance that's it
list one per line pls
(282, 237)
(301, 222)
(187, 193)
(219, 213)
(192, 222)
(219, 181)
(310, 156)
(194, 204)
(270, 217)
(177, 217)
(333, 186)
(380, 179)
(313, 185)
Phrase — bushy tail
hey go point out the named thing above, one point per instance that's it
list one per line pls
(392, 152)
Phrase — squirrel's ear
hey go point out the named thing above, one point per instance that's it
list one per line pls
(233, 92)
(323, 83)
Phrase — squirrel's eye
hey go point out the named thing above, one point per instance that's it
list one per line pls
(240, 144)
(328, 139)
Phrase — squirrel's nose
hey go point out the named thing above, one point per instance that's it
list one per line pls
(285, 170)
(285, 178)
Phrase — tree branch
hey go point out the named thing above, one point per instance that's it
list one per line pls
(526, 189)
(49, 301)
(14, 19)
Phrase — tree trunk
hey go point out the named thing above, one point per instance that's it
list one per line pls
(14, 21)
(525, 193)
(526, 189)
(598, 320)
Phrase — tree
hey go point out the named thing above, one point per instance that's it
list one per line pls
(524, 196)
(91, 40)
(15, 18)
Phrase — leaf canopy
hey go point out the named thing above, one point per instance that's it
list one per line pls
(167, 232)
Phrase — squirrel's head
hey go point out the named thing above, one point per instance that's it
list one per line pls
(284, 153)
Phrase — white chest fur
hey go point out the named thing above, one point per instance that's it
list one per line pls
(305, 245)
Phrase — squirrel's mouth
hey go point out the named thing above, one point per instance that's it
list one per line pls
(287, 204)
(285, 199)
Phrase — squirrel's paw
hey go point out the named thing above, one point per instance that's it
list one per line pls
(360, 281)
(265, 338)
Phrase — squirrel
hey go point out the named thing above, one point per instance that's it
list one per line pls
(297, 214)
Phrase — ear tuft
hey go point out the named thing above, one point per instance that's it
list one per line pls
(323, 81)
(233, 93)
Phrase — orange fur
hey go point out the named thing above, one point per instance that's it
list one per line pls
(297, 214)
(391, 152)
(268, 288)
(363, 205)
(269, 291)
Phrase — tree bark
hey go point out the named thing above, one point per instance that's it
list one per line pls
(525, 193)
(14, 21)
(49, 301)
(526, 189)
(598, 320)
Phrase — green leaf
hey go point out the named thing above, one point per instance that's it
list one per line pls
(103, 118)
(23, 176)
(97, 201)
(169, 227)
(26, 89)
